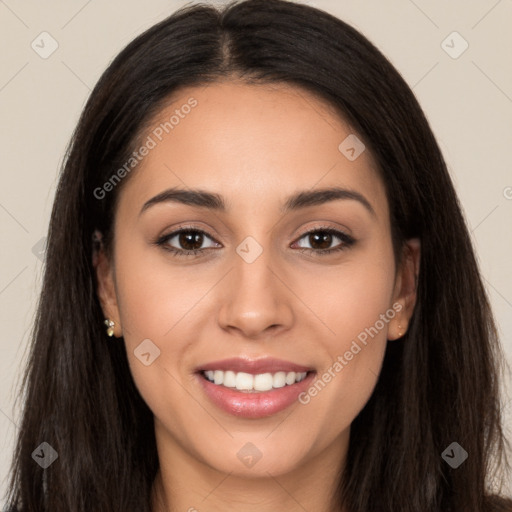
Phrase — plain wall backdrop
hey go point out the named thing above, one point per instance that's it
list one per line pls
(455, 55)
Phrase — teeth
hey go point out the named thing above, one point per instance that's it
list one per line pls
(242, 381)
(229, 379)
(263, 382)
(248, 382)
(279, 379)
(290, 378)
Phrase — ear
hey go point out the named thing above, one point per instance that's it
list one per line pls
(105, 283)
(405, 292)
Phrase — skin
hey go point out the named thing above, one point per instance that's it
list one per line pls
(255, 145)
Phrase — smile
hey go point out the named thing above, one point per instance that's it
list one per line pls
(253, 383)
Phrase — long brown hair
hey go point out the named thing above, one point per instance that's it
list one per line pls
(438, 385)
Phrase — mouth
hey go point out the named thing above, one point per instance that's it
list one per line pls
(254, 388)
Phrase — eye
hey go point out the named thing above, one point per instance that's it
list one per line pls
(189, 241)
(186, 241)
(321, 239)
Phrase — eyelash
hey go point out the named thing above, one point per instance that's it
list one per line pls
(347, 241)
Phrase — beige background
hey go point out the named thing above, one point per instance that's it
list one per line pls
(468, 101)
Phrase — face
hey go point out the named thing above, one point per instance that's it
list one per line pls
(281, 292)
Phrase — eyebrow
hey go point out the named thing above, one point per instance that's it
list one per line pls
(297, 201)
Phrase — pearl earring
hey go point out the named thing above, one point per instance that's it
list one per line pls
(110, 327)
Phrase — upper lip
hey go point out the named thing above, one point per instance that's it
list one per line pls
(255, 366)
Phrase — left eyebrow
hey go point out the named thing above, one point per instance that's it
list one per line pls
(325, 195)
(297, 201)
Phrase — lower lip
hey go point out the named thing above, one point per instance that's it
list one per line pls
(256, 404)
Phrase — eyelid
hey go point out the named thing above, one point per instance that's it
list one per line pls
(323, 225)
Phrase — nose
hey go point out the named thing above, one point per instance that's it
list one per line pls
(255, 300)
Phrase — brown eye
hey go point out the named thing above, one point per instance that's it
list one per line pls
(190, 240)
(186, 242)
(321, 241)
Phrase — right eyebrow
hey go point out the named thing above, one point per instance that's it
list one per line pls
(189, 197)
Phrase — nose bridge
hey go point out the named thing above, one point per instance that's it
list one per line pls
(255, 299)
(252, 266)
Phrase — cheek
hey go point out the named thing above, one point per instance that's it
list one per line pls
(154, 295)
(351, 297)
(156, 303)
(355, 306)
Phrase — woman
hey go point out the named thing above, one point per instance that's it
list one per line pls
(260, 292)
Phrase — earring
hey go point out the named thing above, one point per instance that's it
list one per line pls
(399, 331)
(110, 327)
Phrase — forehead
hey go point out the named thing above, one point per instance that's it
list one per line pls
(252, 143)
